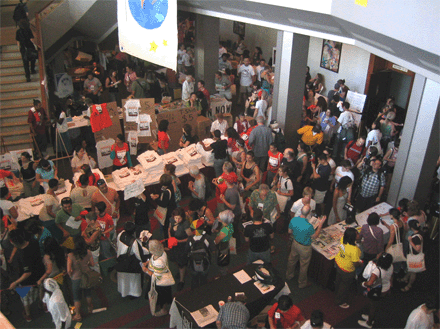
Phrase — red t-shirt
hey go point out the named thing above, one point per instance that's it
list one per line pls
(105, 223)
(38, 120)
(287, 318)
(83, 225)
(162, 136)
(274, 161)
(120, 154)
(354, 152)
(221, 188)
(207, 96)
(232, 143)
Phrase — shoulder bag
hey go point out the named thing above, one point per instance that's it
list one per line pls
(89, 278)
(127, 263)
(396, 250)
(416, 263)
(165, 279)
(161, 213)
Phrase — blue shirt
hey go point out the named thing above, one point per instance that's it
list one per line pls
(302, 230)
(46, 174)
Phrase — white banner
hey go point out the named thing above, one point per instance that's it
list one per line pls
(64, 85)
(148, 30)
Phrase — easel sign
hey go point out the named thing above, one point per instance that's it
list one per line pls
(177, 118)
(114, 129)
(357, 103)
(136, 120)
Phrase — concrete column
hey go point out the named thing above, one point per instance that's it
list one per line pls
(419, 147)
(206, 50)
(290, 69)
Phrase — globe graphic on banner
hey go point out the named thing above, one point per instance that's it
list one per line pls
(149, 14)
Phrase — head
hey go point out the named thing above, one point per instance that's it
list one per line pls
(163, 125)
(344, 183)
(346, 165)
(45, 165)
(391, 116)
(84, 180)
(250, 156)
(53, 184)
(341, 82)
(217, 134)
(166, 180)
(25, 157)
(289, 153)
(373, 219)
(201, 84)
(350, 235)
(317, 129)
(283, 171)
(273, 148)
(79, 151)
(120, 139)
(170, 169)
(187, 129)
(86, 170)
(189, 78)
(285, 303)
(100, 208)
(262, 62)
(130, 228)
(226, 216)
(264, 190)
(37, 104)
(220, 117)
(414, 225)
(385, 261)
(307, 193)
(34, 227)
(403, 204)
(227, 167)
(194, 171)
(178, 215)
(19, 238)
(322, 103)
(260, 120)
(90, 75)
(395, 214)
(246, 61)
(225, 57)
(322, 159)
(305, 210)
(66, 204)
(301, 146)
(102, 185)
(258, 215)
(156, 248)
(232, 133)
(193, 97)
(129, 68)
(376, 164)
(317, 319)
(361, 141)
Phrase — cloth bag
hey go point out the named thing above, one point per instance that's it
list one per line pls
(90, 279)
(152, 295)
(165, 279)
(396, 250)
(416, 263)
(161, 213)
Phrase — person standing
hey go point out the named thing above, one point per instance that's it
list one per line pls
(301, 249)
(247, 79)
(163, 139)
(140, 87)
(187, 88)
(219, 148)
(274, 163)
(219, 124)
(260, 139)
(31, 186)
(26, 43)
(321, 183)
(112, 84)
(120, 153)
(372, 186)
(92, 87)
(423, 316)
(110, 197)
(67, 216)
(259, 235)
(37, 119)
(82, 194)
(130, 76)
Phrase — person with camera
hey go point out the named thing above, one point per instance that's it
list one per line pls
(372, 186)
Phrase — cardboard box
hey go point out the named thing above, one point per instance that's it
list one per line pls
(177, 93)
(228, 117)
(203, 128)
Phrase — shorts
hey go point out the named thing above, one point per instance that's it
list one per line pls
(319, 196)
(245, 89)
(77, 290)
(30, 297)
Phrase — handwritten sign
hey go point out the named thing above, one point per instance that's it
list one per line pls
(134, 189)
(218, 105)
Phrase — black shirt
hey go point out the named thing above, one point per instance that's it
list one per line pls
(322, 183)
(294, 168)
(28, 173)
(24, 36)
(259, 236)
(219, 148)
(141, 215)
(32, 262)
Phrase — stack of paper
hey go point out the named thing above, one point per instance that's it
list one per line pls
(152, 163)
(190, 156)
(174, 159)
(207, 156)
(125, 176)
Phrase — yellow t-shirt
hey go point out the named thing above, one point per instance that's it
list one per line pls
(308, 137)
(347, 255)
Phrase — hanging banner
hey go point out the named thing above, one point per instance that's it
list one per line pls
(64, 85)
(148, 30)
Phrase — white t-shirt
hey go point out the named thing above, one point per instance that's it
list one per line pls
(62, 128)
(49, 200)
(339, 174)
(332, 164)
(345, 118)
(187, 90)
(77, 162)
(261, 105)
(180, 55)
(374, 137)
(260, 70)
(6, 205)
(247, 72)
(385, 275)
(297, 206)
(286, 185)
(186, 59)
(219, 126)
(307, 325)
(418, 319)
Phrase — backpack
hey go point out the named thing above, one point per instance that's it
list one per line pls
(19, 12)
(199, 255)
(280, 141)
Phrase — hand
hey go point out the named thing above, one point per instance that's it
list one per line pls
(12, 286)
(154, 196)
(322, 219)
(66, 234)
(191, 184)
(410, 238)
(78, 218)
(222, 197)
(378, 199)
(39, 282)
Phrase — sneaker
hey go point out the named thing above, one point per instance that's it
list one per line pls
(180, 286)
(365, 324)
(345, 305)
(365, 317)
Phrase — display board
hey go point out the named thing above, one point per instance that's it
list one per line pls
(218, 105)
(132, 122)
(114, 129)
(177, 118)
(357, 103)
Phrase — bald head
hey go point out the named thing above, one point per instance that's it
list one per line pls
(288, 153)
(305, 210)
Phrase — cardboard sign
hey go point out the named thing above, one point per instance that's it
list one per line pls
(147, 107)
(177, 118)
(134, 189)
(217, 106)
(114, 129)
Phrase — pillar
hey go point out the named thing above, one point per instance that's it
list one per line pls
(419, 147)
(206, 50)
(290, 70)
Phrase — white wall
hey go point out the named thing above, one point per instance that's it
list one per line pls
(255, 36)
(353, 66)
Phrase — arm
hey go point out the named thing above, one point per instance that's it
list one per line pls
(382, 188)
(50, 212)
(315, 175)
(392, 235)
(257, 174)
(46, 274)
(336, 195)
(206, 148)
(219, 237)
(370, 282)
(19, 280)
(113, 152)
(318, 229)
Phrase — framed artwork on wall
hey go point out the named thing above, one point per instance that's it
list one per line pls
(239, 28)
(331, 55)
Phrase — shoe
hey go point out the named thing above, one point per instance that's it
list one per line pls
(28, 79)
(162, 312)
(365, 317)
(345, 305)
(308, 284)
(365, 324)
(180, 286)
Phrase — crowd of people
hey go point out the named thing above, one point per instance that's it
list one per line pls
(331, 175)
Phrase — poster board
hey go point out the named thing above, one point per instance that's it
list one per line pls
(147, 107)
(357, 103)
(114, 129)
(218, 105)
(177, 118)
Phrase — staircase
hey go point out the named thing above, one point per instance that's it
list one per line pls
(16, 98)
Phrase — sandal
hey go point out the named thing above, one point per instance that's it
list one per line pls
(77, 317)
(406, 289)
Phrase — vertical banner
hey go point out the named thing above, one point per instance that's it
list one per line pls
(148, 30)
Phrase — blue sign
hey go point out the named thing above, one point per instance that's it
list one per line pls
(149, 14)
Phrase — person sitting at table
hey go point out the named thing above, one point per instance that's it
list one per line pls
(50, 209)
(120, 153)
(46, 171)
(31, 187)
(91, 176)
(233, 314)
(301, 249)
(219, 124)
(163, 139)
(316, 321)
(198, 187)
(284, 314)
(9, 209)
(186, 138)
(68, 217)
(82, 194)
(80, 158)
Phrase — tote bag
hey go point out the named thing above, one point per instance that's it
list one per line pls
(416, 263)
(396, 250)
(152, 295)
(161, 213)
(165, 279)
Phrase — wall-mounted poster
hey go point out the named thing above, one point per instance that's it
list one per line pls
(239, 28)
(331, 55)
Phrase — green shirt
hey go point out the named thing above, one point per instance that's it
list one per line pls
(266, 205)
(140, 88)
(62, 217)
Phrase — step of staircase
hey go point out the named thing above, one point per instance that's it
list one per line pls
(11, 63)
(15, 132)
(16, 123)
(4, 71)
(16, 105)
(22, 143)
(10, 56)
(10, 48)
(20, 86)
(14, 96)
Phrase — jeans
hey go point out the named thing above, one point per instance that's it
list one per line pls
(304, 255)
(263, 255)
(218, 166)
(106, 249)
(343, 282)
